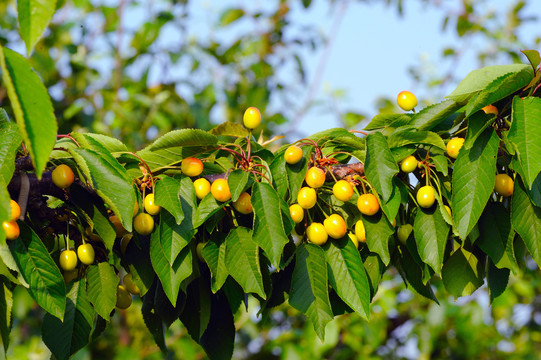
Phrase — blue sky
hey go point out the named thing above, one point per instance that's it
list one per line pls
(371, 52)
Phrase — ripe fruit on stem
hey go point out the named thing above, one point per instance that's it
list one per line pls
(426, 196)
(406, 100)
(453, 147)
(448, 209)
(135, 209)
(130, 285)
(315, 177)
(71, 275)
(150, 205)
(15, 210)
(293, 154)
(68, 260)
(243, 204)
(490, 109)
(504, 185)
(199, 251)
(251, 118)
(125, 241)
(63, 176)
(404, 232)
(191, 167)
(342, 190)
(143, 224)
(11, 229)
(360, 232)
(202, 188)
(297, 213)
(409, 164)
(335, 226)
(119, 229)
(307, 197)
(123, 297)
(368, 204)
(220, 190)
(86, 254)
(317, 234)
(354, 239)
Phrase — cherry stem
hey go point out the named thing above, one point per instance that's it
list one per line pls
(241, 158)
(330, 171)
(321, 208)
(147, 167)
(255, 172)
(359, 132)
(68, 136)
(249, 139)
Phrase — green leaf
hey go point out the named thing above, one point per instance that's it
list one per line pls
(378, 231)
(34, 17)
(158, 160)
(374, 268)
(473, 181)
(533, 57)
(31, 105)
(382, 121)
(110, 144)
(219, 337)
(462, 273)
(535, 193)
(76, 328)
(525, 133)
(6, 305)
(230, 16)
(410, 135)
(111, 183)
(441, 164)
(433, 115)
(497, 280)
(153, 321)
(173, 238)
(40, 271)
(167, 196)
(196, 314)
(184, 137)
(214, 255)
(477, 80)
(170, 274)
(309, 287)
(242, 260)
(347, 275)
(496, 236)
(101, 288)
(279, 174)
(94, 213)
(380, 166)
(498, 89)
(269, 230)
(238, 181)
(431, 230)
(5, 210)
(188, 201)
(208, 207)
(526, 220)
(10, 140)
(413, 274)
(230, 129)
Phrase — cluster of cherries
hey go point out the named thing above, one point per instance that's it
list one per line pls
(503, 186)
(334, 225)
